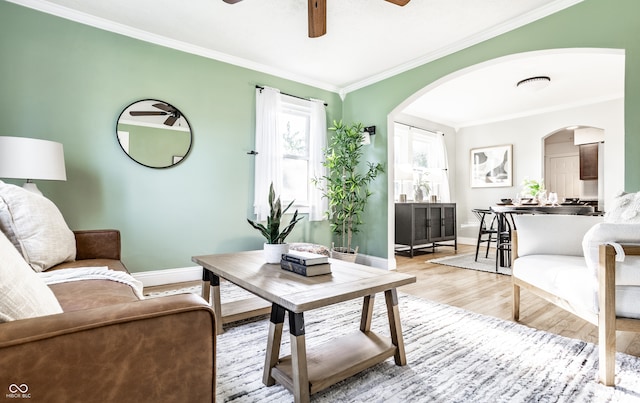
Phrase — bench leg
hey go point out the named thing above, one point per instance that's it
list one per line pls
(515, 307)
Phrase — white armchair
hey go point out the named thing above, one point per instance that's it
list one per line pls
(571, 262)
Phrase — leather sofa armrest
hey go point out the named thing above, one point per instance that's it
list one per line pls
(97, 244)
(160, 349)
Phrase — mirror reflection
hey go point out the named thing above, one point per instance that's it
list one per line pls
(154, 133)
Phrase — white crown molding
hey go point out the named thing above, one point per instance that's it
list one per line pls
(104, 24)
(465, 43)
(107, 25)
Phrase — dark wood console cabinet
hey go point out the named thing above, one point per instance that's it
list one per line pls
(421, 225)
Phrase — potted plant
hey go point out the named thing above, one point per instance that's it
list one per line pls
(422, 188)
(534, 188)
(275, 246)
(345, 186)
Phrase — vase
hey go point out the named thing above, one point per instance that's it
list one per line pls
(418, 195)
(273, 252)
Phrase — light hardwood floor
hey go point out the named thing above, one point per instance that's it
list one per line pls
(489, 294)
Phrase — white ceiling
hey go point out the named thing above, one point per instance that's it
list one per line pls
(367, 41)
(488, 92)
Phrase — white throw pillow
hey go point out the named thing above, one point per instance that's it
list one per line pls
(627, 271)
(23, 293)
(625, 209)
(36, 227)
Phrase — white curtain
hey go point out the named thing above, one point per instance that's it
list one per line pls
(268, 165)
(445, 193)
(317, 143)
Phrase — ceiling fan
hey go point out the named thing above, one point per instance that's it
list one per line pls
(317, 10)
(166, 109)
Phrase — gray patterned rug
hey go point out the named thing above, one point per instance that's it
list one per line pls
(453, 356)
(467, 261)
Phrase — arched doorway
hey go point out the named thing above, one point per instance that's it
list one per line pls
(524, 129)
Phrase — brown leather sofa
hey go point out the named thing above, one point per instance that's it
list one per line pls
(109, 346)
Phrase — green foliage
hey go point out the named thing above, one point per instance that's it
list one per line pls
(533, 187)
(420, 159)
(271, 231)
(346, 188)
(294, 143)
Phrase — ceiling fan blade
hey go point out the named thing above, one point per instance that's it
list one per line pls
(171, 120)
(232, 1)
(148, 113)
(399, 2)
(317, 10)
(164, 107)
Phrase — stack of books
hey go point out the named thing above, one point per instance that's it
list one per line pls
(305, 263)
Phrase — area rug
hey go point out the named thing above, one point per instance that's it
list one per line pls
(467, 261)
(453, 355)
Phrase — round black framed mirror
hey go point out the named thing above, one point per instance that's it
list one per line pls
(154, 133)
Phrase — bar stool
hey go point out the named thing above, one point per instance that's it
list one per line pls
(487, 228)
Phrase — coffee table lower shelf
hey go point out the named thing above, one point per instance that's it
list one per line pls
(244, 309)
(337, 359)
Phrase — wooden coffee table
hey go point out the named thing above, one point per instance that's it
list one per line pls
(307, 372)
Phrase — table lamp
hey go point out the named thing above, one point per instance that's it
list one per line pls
(25, 158)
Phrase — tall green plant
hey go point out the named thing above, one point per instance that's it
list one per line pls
(271, 231)
(346, 188)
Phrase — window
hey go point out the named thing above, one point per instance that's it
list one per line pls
(420, 161)
(290, 136)
(294, 128)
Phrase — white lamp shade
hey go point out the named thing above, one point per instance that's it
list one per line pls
(25, 158)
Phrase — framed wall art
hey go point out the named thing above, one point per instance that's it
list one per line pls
(492, 166)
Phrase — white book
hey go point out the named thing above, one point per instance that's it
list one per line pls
(304, 258)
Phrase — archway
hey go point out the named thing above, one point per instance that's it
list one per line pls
(524, 129)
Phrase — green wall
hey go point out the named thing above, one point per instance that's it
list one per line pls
(68, 82)
(590, 24)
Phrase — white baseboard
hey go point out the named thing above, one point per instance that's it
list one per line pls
(183, 274)
(168, 276)
(467, 241)
(373, 261)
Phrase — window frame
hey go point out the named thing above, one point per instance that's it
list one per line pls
(406, 137)
(293, 106)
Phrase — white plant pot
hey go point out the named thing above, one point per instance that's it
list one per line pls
(273, 251)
